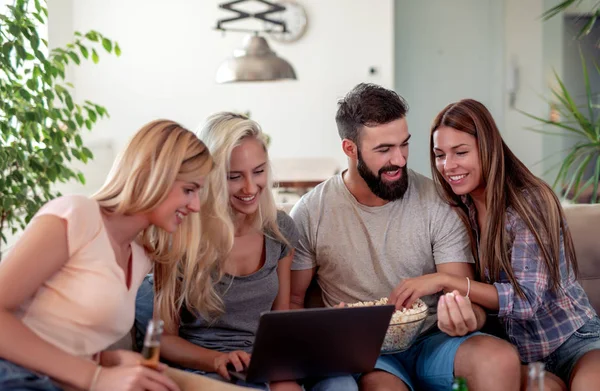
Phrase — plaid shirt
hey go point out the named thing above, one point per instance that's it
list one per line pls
(544, 319)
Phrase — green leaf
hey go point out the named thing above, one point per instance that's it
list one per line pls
(117, 50)
(92, 36)
(75, 57)
(87, 152)
(7, 49)
(39, 18)
(80, 121)
(585, 30)
(95, 57)
(596, 176)
(107, 44)
(92, 116)
(69, 101)
(578, 174)
(84, 51)
(558, 9)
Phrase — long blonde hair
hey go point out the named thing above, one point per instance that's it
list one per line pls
(222, 132)
(508, 183)
(141, 178)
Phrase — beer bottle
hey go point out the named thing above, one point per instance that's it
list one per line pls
(151, 350)
(459, 384)
(535, 379)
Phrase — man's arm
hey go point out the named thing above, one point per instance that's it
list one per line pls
(304, 263)
(300, 281)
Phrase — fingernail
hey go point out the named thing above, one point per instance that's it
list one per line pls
(460, 299)
(450, 294)
(443, 300)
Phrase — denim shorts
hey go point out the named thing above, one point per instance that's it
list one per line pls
(562, 361)
(14, 377)
(428, 364)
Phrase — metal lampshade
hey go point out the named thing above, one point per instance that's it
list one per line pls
(255, 61)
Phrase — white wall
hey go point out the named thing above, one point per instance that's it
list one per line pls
(171, 53)
(524, 48)
(446, 51)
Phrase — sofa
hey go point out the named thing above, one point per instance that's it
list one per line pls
(584, 223)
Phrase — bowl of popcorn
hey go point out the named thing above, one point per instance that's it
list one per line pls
(405, 325)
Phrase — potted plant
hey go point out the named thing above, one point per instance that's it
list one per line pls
(581, 121)
(40, 123)
(584, 123)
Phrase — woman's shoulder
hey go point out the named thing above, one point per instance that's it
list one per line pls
(286, 225)
(72, 202)
(533, 203)
(73, 208)
(283, 219)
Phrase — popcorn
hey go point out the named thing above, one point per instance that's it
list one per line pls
(405, 324)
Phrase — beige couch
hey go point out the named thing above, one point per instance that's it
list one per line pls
(584, 222)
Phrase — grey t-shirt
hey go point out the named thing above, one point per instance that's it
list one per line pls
(245, 298)
(362, 252)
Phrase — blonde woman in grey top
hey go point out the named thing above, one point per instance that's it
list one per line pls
(241, 273)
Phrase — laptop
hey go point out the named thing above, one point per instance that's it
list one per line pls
(316, 342)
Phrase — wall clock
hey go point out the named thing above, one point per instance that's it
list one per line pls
(296, 20)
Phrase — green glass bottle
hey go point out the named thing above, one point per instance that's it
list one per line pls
(460, 384)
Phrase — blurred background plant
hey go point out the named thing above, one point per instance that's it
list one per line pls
(40, 123)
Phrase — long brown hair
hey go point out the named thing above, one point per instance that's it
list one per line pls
(508, 183)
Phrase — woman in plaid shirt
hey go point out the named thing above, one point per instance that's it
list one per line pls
(524, 250)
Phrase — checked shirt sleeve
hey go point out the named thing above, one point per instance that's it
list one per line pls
(530, 272)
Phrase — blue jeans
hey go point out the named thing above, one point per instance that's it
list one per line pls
(336, 383)
(562, 361)
(428, 364)
(14, 377)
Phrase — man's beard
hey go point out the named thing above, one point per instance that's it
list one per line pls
(389, 191)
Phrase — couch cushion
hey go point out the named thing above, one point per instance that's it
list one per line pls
(584, 223)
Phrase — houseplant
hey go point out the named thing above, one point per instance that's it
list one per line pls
(566, 4)
(581, 121)
(40, 124)
(584, 123)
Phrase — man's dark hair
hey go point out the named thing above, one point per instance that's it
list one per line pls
(367, 105)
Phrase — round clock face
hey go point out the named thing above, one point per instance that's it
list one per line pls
(295, 19)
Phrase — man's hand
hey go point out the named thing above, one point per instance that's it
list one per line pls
(455, 315)
(237, 358)
(411, 289)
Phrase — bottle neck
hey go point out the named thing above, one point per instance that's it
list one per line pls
(535, 381)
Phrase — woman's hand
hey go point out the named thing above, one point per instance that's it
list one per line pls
(455, 315)
(237, 358)
(133, 378)
(411, 289)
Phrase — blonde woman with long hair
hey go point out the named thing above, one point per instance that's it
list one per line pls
(68, 286)
(239, 275)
